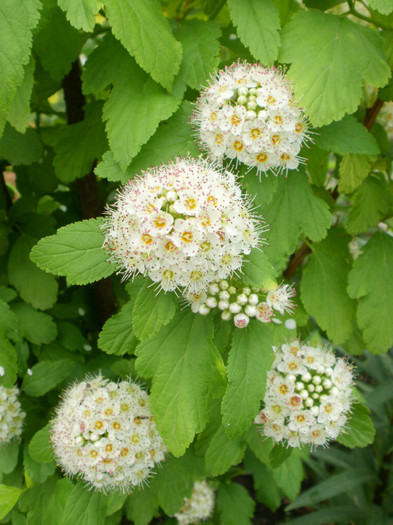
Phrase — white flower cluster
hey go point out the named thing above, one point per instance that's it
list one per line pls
(308, 396)
(199, 506)
(240, 302)
(11, 414)
(385, 117)
(248, 113)
(104, 433)
(184, 225)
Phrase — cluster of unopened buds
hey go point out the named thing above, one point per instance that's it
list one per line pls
(240, 302)
(199, 506)
(248, 113)
(11, 414)
(104, 432)
(184, 225)
(308, 396)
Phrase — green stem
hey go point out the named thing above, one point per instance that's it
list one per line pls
(217, 9)
(353, 12)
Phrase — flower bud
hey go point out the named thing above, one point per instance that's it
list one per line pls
(241, 320)
(235, 308)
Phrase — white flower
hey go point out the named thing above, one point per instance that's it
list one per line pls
(239, 302)
(308, 396)
(248, 113)
(104, 433)
(199, 506)
(184, 225)
(11, 414)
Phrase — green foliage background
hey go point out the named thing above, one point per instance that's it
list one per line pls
(93, 92)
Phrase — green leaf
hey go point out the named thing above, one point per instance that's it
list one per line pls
(294, 209)
(36, 327)
(109, 169)
(250, 357)
(330, 58)
(234, 504)
(185, 368)
(84, 507)
(260, 446)
(258, 26)
(383, 6)
(267, 491)
(20, 148)
(289, 476)
(78, 146)
(8, 498)
(145, 33)
(223, 452)
(347, 136)
(370, 281)
(57, 43)
(371, 201)
(175, 481)
(76, 252)
(70, 336)
(117, 336)
(19, 110)
(335, 485)
(257, 269)
(34, 286)
(81, 14)
(278, 455)
(200, 49)
(18, 18)
(353, 170)
(8, 321)
(173, 137)
(323, 287)
(142, 506)
(337, 514)
(39, 447)
(262, 191)
(137, 99)
(359, 430)
(46, 375)
(152, 311)
(8, 361)
(9, 456)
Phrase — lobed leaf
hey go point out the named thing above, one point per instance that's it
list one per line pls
(117, 336)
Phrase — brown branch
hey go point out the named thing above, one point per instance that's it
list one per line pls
(87, 185)
(372, 113)
(296, 260)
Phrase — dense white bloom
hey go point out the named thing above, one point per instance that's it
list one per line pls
(248, 113)
(104, 433)
(308, 396)
(11, 414)
(199, 506)
(240, 302)
(385, 117)
(184, 225)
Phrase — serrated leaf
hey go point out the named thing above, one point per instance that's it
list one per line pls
(258, 26)
(353, 170)
(289, 476)
(117, 336)
(234, 504)
(8, 362)
(34, 286)
(294, 209)
(347, 136)
(57, 43)
(320, 47)
(8, 498)
(9, 456)
(261, 191)
(250, 357)
(260, 446)
(81, 14)
(20, 148)
(152, 311)
(39, 447)
(184, 368)
(46, 375)
(371, 201)
(223, 452)
(109, 169)
(267, 492)
(173, 137)
(200, 49)
(19, 110)
(278, 455)
(370, 280)
(18, 18)
(77, 146)
(36, 327)
(323, 287)
(383, 6)
(359, 429)
(75, 252)
(176, 480)
(8, 321)
(144, 32)
(257, 269)
(84, 507)
(142, 506)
